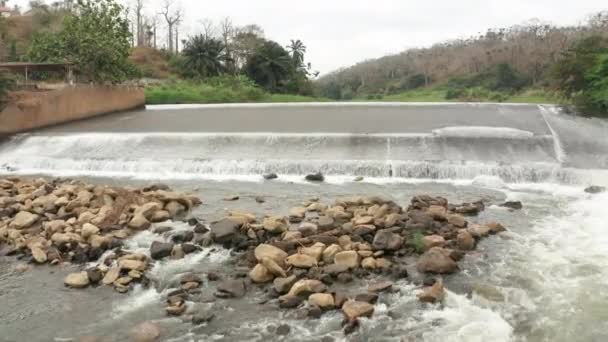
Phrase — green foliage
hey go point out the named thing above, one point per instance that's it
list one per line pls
(270, 67)
(202, 57)
(581, 76)
(95, 38)
(7, 82)
(500, 78)
(222, 89)
(417, 242)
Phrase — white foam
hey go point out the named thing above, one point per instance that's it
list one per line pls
(482, 132)
(137, 299)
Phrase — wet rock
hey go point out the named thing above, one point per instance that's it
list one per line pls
(201, 229)
(595, 189)
(370, 298)
(432, 294)
(297, 214)
(260, 199)
(268, 251)
(515, 205)
(39, 255)
(495, 227)
(315, 251)
(231, 198)
(224, 230)
(95, 276)
(231, 289)
(358, 179)
(315, 177)
(77, 280)
(314, 312)
(260, 274)
(478, 230)
(283, 330)
(175, 208)
(335, 269)
(355, 309)
(323, 300)
(349, 259)
(130, 264)
(176, 309)
(23, 219)
(202, 317)
(270, 176)
(351, 326)
(465, 240)
(160, 250)
(145, 332)
(177, 252)
(436, 260)
(368, 263)
(381, 286)
(273, 267)
(290, 302)
(330, 252)
(189, 248)
(111, 276)
(306, 286)
(387, 240)
(182, 236)
(437, 212)
(160, 216)
(89, 230)
(139, 222)
(283, 285)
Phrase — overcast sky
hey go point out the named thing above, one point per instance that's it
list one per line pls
(342, 32)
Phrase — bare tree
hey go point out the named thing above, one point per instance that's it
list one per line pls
(227, 31)
(138, 7)
(172, 18)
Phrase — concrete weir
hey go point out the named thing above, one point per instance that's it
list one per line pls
(518, 143)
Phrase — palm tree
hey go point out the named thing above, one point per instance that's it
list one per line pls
(270, 66)
(297, 49)
(204, 56)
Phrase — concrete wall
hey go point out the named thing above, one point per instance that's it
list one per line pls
(29, 110)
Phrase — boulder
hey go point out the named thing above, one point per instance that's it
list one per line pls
(38, 254)
(308, 228)
(323, 300)
(270, 176)
(231, 289)
(478, 230)
(273, 267)
(301, 261)
(326, 223)
(297, 214)
(495, 227)
(175, 208)
(370, 298)
(330, 252)
(437, 212)
(315, 251)
(432, 294)
(436, 260)
(160, 216)
(465, 240)
(23, 219)
(268, 251)
(224, 230)
(380, 287)
(139, 222)
(368, 263)
(457, 220)
(132, 265)
(147, 210)
(431, 241)
(111, 276)
(89, 230)
(160, 250)
(283, 285)
(275, 224)
(354, 309)
(202, 317)
(387, 240)
(260, 274)
(315, 177)
(595, 189)
(77, 280)
(306, 287)
(145, 332)
(515, 205)
(349, 259)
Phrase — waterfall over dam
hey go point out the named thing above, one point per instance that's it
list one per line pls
(518, 143)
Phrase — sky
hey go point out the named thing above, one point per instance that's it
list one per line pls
(340, 33)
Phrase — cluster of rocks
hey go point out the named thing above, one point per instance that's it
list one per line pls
(298, 257)
(62, 220)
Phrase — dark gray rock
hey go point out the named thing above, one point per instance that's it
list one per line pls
(386, 240)
(231, 289)
(315, 177)
(283, 330)
(595, 189)
(270, 176)
(202, 317)
(224, 230)
(160, 250)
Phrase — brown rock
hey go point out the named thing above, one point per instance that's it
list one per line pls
(381, 287)
(39, 255)
(268, 251)
(431, 241)
(77, 280)
(349, 259)
(323, 300)
(275, 224)
(457, 220)
(315, 251)
(432, 294)
(23, 219)
(330, 252)
(273, 267)
(139, 222)
(354, 309)
(465, 240)
(283, 285)
(495, 227)
(145, 332)
(111, 276)
(306, 286)
(436, 260)
(301, 261)
(260, 274)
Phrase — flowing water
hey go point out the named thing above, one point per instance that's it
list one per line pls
(544, 280)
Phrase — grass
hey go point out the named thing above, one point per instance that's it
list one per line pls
(221, 90)
(418, 242)
(438, 94)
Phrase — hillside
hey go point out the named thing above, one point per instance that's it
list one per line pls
(528, 50)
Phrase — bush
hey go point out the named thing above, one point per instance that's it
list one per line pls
(7, 82)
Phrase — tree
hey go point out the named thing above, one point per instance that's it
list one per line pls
(297, 50)
(204, 57)
(172, 19)
(270, 66)
(95, 38)
(138, 7)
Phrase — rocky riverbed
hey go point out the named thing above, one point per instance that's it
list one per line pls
(300, 260)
